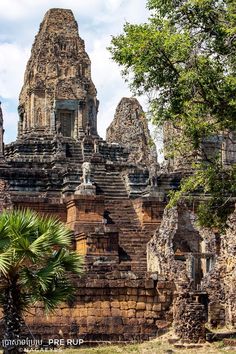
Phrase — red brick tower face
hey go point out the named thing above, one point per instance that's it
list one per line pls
(58, 92)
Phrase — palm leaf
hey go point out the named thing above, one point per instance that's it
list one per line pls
(5, 262)
(62, 291)
(71, 261)
(35, 250)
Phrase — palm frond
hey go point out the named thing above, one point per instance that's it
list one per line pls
(58, 233)
(5, 262)
(63, 291)
(41, 279)
(71, 261)
(20, 223)
(41, 244)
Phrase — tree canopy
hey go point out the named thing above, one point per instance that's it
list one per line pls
(184, 59)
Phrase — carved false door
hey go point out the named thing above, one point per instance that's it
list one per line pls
(67, 121)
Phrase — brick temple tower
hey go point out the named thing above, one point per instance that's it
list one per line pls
(58, 93)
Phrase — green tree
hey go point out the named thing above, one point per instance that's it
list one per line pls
(184, 59)
(36, 262)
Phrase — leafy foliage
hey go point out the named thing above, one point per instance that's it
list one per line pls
(184, 59)
(35, 253)
(214, 186)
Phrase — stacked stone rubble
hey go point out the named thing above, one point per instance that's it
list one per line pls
(189, 318)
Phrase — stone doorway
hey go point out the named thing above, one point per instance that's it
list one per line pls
(67, 122)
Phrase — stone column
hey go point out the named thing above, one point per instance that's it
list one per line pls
(32, 111)
(53, 118)
(76, 133)
(80, 128)
(1, 132)
(2, 159)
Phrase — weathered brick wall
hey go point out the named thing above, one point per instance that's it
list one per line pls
(113, 310)
(55, 209)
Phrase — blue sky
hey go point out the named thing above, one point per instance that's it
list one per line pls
(98, 20)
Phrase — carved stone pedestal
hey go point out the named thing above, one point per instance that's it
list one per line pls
(85, 189)
(149, 210)
(95, 240)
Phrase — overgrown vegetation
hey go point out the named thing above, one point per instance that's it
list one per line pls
(184, 59)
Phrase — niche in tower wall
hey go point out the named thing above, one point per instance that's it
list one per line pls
(67, 122)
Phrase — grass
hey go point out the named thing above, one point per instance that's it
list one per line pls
(146, 348)
(156, 346)
(159, 345)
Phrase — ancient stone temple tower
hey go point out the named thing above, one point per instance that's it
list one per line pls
(111, 194)
(58, 94)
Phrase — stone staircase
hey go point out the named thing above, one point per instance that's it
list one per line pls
(74, 152)
(132, 237)
(110, 184)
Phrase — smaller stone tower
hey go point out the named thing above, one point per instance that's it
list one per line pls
(130, 129)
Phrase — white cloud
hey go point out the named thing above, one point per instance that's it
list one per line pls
(10, 122)
(12, 9)
(12, 64)
(21, 9)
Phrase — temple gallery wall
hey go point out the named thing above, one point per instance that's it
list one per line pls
(144, 264)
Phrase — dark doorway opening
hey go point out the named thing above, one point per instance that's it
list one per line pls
(67, 122)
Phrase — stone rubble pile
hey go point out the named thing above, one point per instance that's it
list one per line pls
(189, 318)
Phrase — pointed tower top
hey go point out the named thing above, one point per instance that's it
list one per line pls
(59, 20)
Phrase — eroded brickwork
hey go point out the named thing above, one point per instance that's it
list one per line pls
(220, 283)
(115, 309)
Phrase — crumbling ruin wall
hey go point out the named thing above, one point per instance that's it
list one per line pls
(210, 255)
(160, 254)
(169, 251)
(220, 282)
(107, 309)
(175, 253)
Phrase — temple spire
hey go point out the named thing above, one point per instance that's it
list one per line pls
(58, 89)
